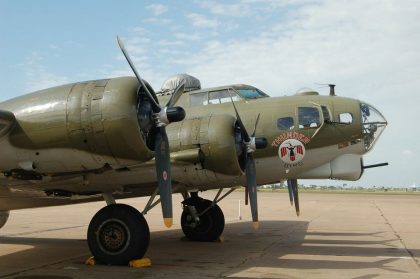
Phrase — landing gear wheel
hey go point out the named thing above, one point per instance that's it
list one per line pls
(117, 234)
(210, 225)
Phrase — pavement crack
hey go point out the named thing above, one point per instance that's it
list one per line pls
(260, 254)
(417, 262)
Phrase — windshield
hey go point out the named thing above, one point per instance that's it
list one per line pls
(373, 124)
(251, 93)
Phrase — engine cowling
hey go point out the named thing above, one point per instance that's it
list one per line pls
(4, 216)
(93, 123)
(219, 145)
(218, 138)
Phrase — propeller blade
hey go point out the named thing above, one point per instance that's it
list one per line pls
(295, 195)
(127, 57)
(163, 171)
(246, 195)
(241, 124)
(250, 169)
(290, 190)
(255, 126)
(251, 179)
(176, 94)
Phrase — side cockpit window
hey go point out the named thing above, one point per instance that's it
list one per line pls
(346, 118)
(213, 97)
(308, 117)
(326, 113)
(222, 96)
(285, 123)
(199, 99)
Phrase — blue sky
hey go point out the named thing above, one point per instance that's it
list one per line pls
(370, 49)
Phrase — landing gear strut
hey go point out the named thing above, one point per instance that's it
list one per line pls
(201, 220)
(117, 234)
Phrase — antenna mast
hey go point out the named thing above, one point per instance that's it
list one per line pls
(332, 92)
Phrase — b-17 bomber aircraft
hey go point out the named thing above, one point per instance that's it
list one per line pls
(116, 138)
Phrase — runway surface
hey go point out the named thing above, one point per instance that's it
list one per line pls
(336, 236)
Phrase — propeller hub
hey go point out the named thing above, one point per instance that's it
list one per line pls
(169, 115)
(261, 143)
(250, 145)
(255, 143)
(161, 118)
(175, 114)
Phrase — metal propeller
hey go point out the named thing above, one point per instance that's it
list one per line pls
(249, 145)
(290, 190)
(160, 117)
(292, 186)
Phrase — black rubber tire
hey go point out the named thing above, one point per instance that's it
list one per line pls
(117, 234)
(212, 223)
(4, 216)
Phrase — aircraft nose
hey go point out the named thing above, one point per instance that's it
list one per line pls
(373, 123)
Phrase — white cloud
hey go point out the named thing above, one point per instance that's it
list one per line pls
(157, 20)
(187, 36)
(202, 21)
(238, 9)
(157, 9)
(368, 48)
(139, 30)
(171, 43)
(320, 44)
(254, 9)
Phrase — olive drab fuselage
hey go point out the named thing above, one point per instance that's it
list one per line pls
(85, 138)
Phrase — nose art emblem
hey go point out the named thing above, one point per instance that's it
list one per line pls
(291, 151)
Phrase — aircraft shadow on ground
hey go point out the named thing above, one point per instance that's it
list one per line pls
(242, 248)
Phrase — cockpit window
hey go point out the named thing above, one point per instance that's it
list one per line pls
(285, 123)
(214, 97)
(251, 93)
(225, 95)
(199, 99)
(308, 117)
(222, 96)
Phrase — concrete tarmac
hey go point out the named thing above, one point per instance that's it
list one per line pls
(336, 236)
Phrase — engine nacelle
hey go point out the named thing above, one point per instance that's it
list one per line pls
(215, 135)
(4, 216)
(90, 124)
(218, 145)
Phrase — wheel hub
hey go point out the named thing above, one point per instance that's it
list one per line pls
(192, 222)
(192, 218)
(113, 236)
(202, 220)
